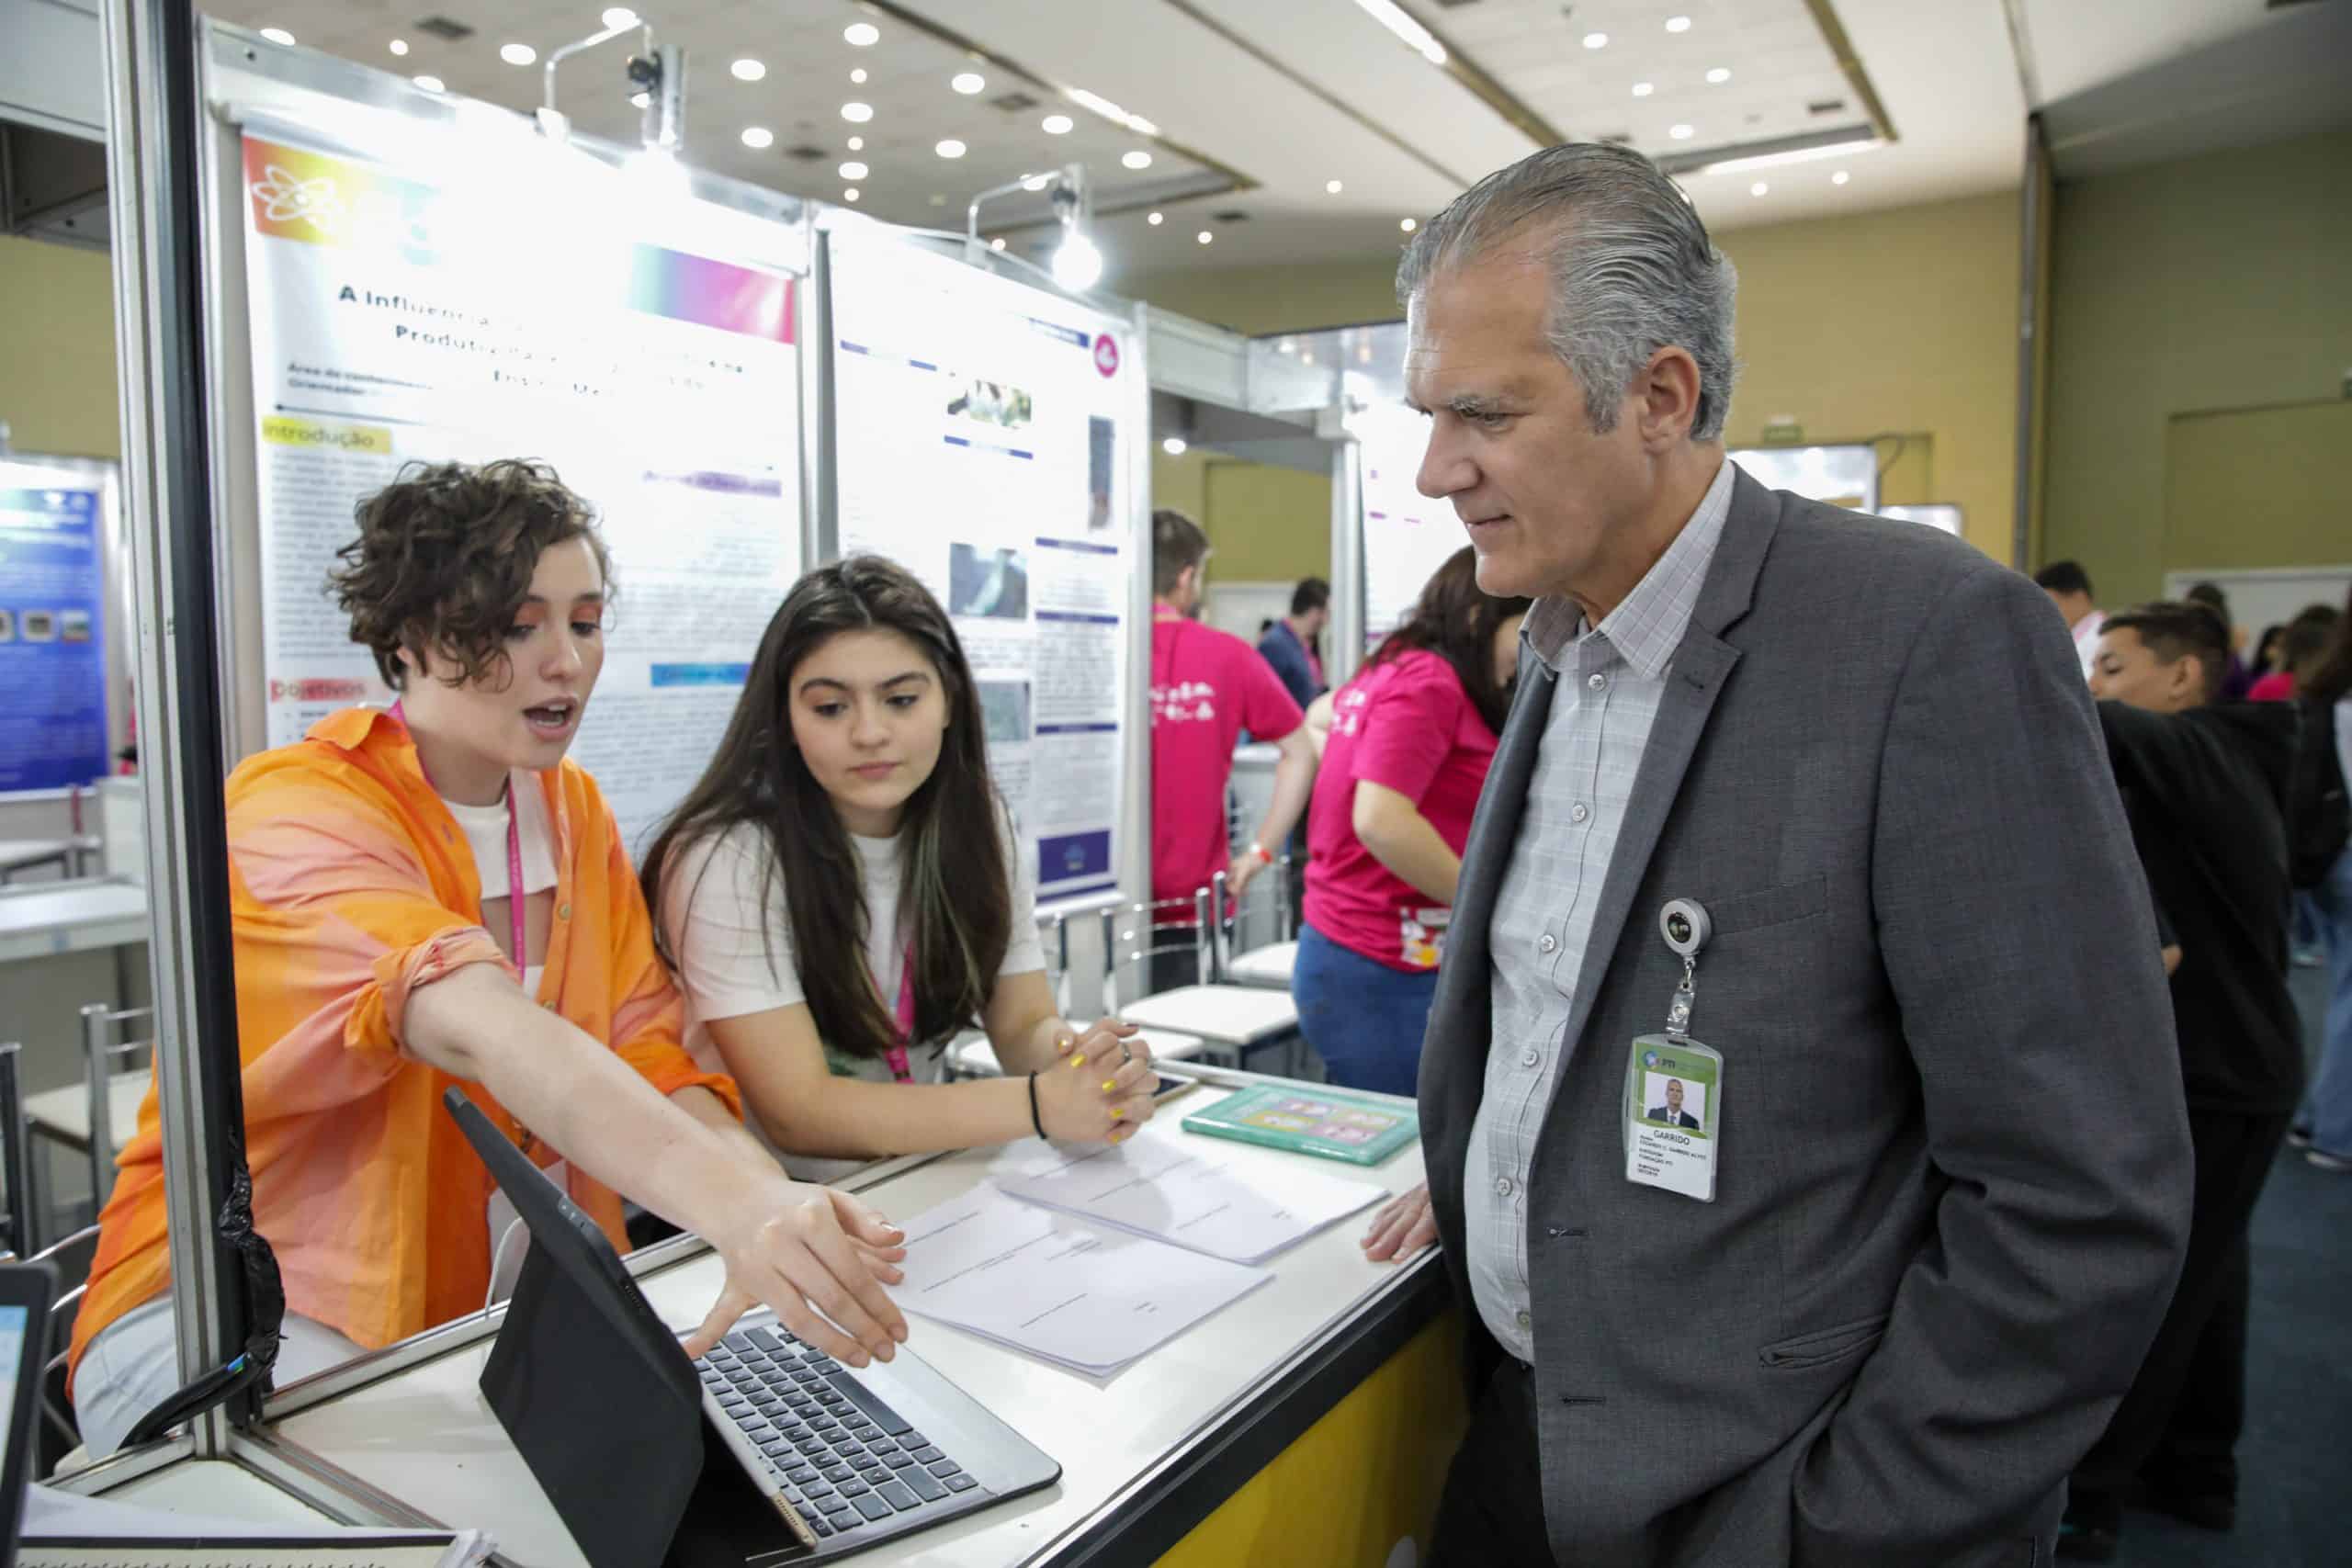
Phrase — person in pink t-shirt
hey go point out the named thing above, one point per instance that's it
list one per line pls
(1411, 737)
(1207, 686)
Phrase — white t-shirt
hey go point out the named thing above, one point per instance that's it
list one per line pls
(722, 931)
(485, 831)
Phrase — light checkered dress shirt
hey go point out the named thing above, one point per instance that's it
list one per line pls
(1608, 681)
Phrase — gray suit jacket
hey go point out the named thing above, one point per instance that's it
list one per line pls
(1921, 1288)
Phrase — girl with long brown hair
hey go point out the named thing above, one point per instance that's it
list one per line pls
(844, 892)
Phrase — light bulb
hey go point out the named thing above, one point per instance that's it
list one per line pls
(748, 70)
(1057, 124)
(1077, 265)
(518, 53)
(1174, 445)
(862, 35)
(399, 46)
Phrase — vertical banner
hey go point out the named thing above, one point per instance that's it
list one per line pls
(1407, 537)
(982, 445)
(515, 303)
(53, 630)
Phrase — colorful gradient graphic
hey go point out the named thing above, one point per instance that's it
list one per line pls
(682, 288)
(319, 199)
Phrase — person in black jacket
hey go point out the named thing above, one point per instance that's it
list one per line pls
(2203, 784)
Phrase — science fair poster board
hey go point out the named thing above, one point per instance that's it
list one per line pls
(1407, 537)
(528, 301)
(54, 523)
(983, 429)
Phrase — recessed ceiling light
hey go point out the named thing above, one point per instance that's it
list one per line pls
(1677, 24)
(1414, 36)
(431, 83)
(1643, 89)
(862, 35)
(1719, 75)
(857, 77)
(950, 148)
(748, 70)
(1139, 159)
(1174, 445)
(1057, 124)
(1681, 133)
(1206, 238)
(278, 36)
(849, 194)
(1596, 41)
(1758, 188)
(619, 17)
(1333, 187)
(969, 83)
(1156, 219)
(641, 100)
(1408, 224)
(758, 138)
(852, 170)
(399, 46)
(1841, 177)
(858, 143)
(857, 113)
(997, 243)
(518, 53)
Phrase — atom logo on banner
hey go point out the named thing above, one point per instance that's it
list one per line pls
(1106, 354)
(285, 200)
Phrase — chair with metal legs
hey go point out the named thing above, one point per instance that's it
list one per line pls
(1235, 1020)
(972, 1057)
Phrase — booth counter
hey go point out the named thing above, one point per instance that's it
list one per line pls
(1310, 1422)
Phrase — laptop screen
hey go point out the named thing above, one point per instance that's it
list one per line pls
(12, 1355)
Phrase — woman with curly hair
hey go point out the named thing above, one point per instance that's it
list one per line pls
(432, 894)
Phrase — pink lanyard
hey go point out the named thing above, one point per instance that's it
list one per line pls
(905, 1019)
(514, 864)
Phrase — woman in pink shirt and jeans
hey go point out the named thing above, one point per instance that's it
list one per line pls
(1411, 737)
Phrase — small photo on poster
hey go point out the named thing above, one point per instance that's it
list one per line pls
(993, 402)
(73, 625)
(1005, 708)
(1102, 447)
(990, 583)
(40, 625)
(8, 625)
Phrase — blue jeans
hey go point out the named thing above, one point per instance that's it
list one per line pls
(1363, 1018)
(2328, 1110)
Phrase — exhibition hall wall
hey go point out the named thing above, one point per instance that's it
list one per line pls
(57, 349)
(2181, 290)
(1899, 322)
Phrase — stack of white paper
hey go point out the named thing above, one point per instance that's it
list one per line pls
(1042, 1283)
(1183, 1194)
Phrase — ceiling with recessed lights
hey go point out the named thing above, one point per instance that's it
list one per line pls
(1219, 132)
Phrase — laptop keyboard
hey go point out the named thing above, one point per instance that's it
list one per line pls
(844, 1460)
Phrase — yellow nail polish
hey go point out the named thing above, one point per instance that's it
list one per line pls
(1110, 1084)
(1116, 1113)
(1079, 1060)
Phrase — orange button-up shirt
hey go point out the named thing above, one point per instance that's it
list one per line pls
(351, 885)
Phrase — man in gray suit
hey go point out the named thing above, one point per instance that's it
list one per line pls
(1921, 1283)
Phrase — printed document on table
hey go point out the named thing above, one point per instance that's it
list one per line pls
(1052, 1286)
(1183, 1193)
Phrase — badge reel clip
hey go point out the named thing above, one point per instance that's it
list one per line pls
(1684, 924)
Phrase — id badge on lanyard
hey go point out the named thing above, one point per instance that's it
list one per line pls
(1673, 1097)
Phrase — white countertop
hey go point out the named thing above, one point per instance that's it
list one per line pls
(41, 920)
(425, 1436)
